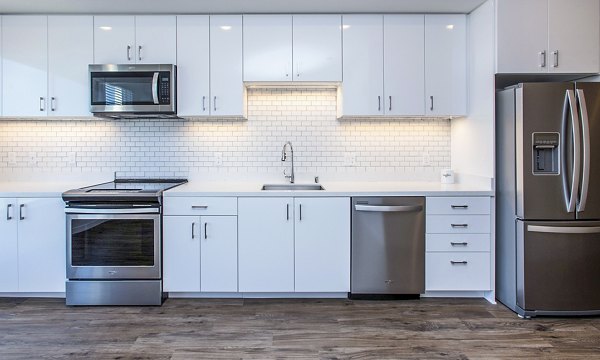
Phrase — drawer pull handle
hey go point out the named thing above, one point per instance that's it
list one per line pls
(459, 243)
(458, 262)
(459, 226)
(199, 206)
(459, 206)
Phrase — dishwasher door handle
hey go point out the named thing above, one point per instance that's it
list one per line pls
(389, 208)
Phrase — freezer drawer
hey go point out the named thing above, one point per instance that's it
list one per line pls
(388, 245)
(558, 267)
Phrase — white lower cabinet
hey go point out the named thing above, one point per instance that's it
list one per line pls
(294, 244)
(200, 253)
(33, 245)
(458, 244)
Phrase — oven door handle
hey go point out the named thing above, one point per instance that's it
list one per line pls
(112, 211)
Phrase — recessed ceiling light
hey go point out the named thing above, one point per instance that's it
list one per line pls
(225, 27)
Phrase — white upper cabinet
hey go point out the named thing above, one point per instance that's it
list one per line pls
(317, 48)
(267, 48)
(114, 39)
(404, 64)
(226, 83)
(24, 65)
(574, 36)
(70, 50)
(193, 71)
(363, 65)
(446, 65)
(146, 39)
(541, 36)
(155, 39)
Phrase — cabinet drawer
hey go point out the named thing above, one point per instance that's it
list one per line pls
(458, 205)
(458, 242)
(200, 206)
(457, 271)
(458, 224)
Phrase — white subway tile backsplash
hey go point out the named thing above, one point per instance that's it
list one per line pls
(151, 148)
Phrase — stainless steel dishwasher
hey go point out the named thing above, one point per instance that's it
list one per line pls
(388, 247)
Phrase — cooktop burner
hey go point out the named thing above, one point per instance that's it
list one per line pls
(131, 190)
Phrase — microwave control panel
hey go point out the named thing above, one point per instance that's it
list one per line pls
(164, 88)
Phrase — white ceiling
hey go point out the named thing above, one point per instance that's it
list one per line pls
(235, 6)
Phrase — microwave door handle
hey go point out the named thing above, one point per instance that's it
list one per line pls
(585, 135)
(155, 88)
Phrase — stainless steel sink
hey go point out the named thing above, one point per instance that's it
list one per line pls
(292, 187)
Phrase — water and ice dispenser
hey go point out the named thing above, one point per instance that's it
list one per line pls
(546, 147)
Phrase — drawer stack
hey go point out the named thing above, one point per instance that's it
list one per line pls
(458, 244)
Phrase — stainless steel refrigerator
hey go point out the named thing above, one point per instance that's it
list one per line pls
(548, 198)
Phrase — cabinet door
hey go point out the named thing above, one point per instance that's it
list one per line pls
(155, 39)
(24, 65)
(70, 50)
(322, 244)
(226, 84)
(363, 65)
(521, 36)
(114, 39)
(9, 279)
(219, 254)
(317, 48)
(446, 64)
(267, 48)
(42, 245)
(404, 64)
(266, 244)
(193, 86)
(181, 253)
(574, 36)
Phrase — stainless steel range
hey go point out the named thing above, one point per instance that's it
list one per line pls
(114, 242)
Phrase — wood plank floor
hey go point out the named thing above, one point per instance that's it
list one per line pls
(297, 329)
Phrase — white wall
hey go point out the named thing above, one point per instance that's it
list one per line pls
(473, 136)
(180, 147)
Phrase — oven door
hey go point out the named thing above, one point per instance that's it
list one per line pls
(132, 88)
(113, 246)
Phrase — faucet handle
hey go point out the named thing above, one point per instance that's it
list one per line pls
(285, 174)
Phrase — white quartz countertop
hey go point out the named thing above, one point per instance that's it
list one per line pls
(337, 188)
(39, 188)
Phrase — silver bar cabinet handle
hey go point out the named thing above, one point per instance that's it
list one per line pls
(129, 52)
(9, 212)
(193, 226)
(390, 109)
(300, 212)
(459, 243)
(140, 53)
(431, 99)
(379, 103)
(543, 59)
(53, 103)
(204, 103)
(459, 226)
(21, 217)
(205, 233)
(459, 206)
(585, 134)
(42, 104)
(287, 211)
(215, 103)
(555, 53)
(458, 262)
(196, 207)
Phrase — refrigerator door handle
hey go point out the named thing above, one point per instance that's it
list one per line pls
(564, 229)
(585, 135)
(570, 106)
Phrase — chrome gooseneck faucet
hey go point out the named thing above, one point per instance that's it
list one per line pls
(284, 157)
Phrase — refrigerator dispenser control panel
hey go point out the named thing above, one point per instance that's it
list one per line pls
(546, 147)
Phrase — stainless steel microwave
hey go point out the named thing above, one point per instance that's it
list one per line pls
(133, 91)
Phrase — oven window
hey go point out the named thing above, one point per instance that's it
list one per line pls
(122, 89)
(100, 242)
